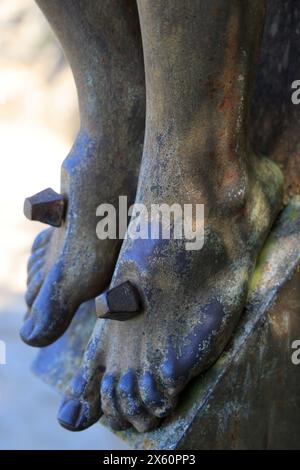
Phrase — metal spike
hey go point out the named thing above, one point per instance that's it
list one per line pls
(119, 303)
(46, 206)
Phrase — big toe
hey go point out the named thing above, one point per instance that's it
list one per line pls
(80, 407)
(51, 311)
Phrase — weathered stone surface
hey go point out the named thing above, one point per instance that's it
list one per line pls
(250, 398)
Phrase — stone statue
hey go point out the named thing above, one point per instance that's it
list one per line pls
(169, 81)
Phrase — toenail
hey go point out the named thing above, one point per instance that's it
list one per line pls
(119, 303)
(69, 413)
(32, 334)
(75, 415)
(46, 206)
(26, 329)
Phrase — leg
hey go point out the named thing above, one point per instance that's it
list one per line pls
(200, 58)
(69, 264)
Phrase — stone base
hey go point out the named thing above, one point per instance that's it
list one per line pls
(250, 398)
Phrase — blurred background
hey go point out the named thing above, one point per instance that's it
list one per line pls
(38, 122)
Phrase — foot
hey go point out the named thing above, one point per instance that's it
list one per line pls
(70, 265)
(103, 45)
(133, 371)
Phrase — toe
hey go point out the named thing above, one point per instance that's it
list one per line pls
(153, 398)
(34, 287)
(80, 407)
(52, 309)
(70, 415)
(35, 257)
(130, 403)
(34, 269)
(41, 240)
(109, 403)
(27, 327)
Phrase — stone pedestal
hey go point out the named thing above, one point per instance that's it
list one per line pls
(250, 398)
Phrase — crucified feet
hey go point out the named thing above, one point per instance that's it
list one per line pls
(167, 312)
